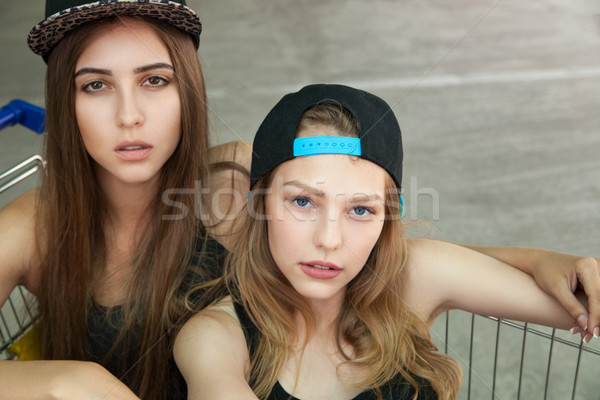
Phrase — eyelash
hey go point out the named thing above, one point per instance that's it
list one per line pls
(367, 209)
(87, 87)
(163, 82)
(295, 200)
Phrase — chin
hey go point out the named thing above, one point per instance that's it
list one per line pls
(139, 177)
(318, 294)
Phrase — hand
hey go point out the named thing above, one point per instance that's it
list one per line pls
(562, 275)
(86, 380)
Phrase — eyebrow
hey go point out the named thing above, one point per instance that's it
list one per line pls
(138, 70)
(90, 70)
(305, 187)
(150, 67)
(361, 197)
(357, 198)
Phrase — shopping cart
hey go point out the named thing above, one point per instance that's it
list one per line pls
(501, 359)
(18, 315)
(32, 117)
(504, 359)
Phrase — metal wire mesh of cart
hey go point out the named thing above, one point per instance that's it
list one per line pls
(32, 117)
(17, 316)
(503, 359)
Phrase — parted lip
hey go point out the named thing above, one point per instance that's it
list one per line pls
(132, 145)
(322, 264)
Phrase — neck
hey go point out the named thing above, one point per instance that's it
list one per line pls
(126, 220)
(326, 312)
(127, 204)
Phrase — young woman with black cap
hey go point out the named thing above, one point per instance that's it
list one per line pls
(109, 244)
(112, 240)
(323, 297)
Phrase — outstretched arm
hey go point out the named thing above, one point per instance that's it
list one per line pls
(443, 276)
(17, 244)
(60, 380)
(211, 353)
(560, 275)
(41, 379)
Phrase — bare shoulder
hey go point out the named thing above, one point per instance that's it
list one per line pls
(23, 205)
(430, 267)
(218, 319)
(238, 151)
(425, 247)
(424, 254)
(229, 186)
(213, 331)
(211, 353)
(443, 276)
(230, 167)
(17, 244)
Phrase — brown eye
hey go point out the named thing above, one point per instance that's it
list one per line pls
(94, 86)
(156, 81)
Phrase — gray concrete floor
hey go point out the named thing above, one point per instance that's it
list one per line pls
(498, 101)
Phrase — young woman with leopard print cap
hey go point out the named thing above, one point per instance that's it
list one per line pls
(107, 259)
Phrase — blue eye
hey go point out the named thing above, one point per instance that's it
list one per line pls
(362, 211)
(301, 201)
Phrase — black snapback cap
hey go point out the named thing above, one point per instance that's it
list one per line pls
(380, 140)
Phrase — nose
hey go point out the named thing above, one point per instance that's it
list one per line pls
(329, 233)
(129, 112)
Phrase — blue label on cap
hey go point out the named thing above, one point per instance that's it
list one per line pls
(310, 146)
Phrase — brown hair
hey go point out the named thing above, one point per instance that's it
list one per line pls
(387, 338)
(72, 213)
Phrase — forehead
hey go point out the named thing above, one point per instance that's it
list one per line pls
(127, 41)
(316, 129)
(335, 175)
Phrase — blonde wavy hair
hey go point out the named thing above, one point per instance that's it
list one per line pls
(386, 337)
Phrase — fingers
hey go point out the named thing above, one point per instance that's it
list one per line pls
(575, 309)
(583, 324)
(580, 327)
(588, 275)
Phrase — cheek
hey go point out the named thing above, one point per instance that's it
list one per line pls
(170, 113)
(363, 240)
(166, 103)
(287, 235)
(282, 238)
(87, 122)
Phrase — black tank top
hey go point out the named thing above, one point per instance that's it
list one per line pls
(396, 389)
(104, 324)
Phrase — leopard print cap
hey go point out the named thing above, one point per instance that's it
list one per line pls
(45, 35)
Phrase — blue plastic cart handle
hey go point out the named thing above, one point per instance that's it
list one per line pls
(26, 114)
